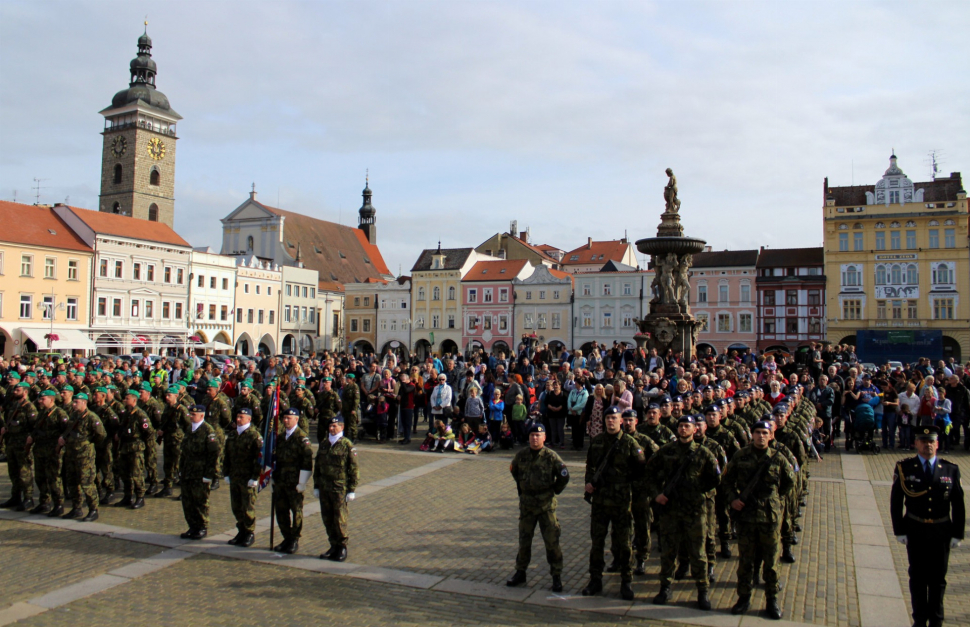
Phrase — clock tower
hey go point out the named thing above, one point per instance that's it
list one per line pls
(138, 155)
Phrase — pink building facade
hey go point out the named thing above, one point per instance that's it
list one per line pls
(488, 304)
(724, 300)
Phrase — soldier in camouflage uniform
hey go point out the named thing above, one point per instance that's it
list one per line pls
(710, 543)
(294, 461)
(33, 390)
(683, 517)
(51, 422)
(149, 404)
(791, 440)
(350, 406)
(328, 406)
(652, 428)
(246, 398)
(720, 434)
(174, 423)
(134, 431)
(105, 453)
(540, 475)
(307, 409)
(18, 423)
(198, 464)
(267, 399)
(642, 512)
(219, 415)
(335, 479)
(114, 402)
(80, 441)
(612, 500)
(755, 482)
(241, 469)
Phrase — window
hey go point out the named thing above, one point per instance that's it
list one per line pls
(541, 319)
(555, 294)
(150, 273)
(880, 275)
(47, 308)
(702, 323)
(542, 294)
(503, 295)
(72, 270)
(119, 269)
(769, 326)
(852, 309)
(257, 288)
(71, 313)
(587, 319)
(528, 294)
(910, 240)
(116, 307)
(744, 323)
(487, 322)
(49, 268)
(791, 297)
(167, 274)
(404, 304)
(167, 310)
(225, 283)
(451, 293)
(587, 290)
(420, 293)
(436, 293)
(356, 301)
(289, 290)
(857, 241)
(366, 300)
(118, 173)
(239, 315)
(102, 306)
(313, 292)
(949, 238)
(894, 196)
(272, 317)
(843, 242)
(881, 240)
(366, 326)
(178, 311)
(153, 210)
(154, 177)
(815, 325)
(897, 307)
(943, 309)
(212, 283)
(627, 289)
(249, 243)
(201, 282)
(487, 296)
(607, 320)
(851, 276)
(472, 323)
(745, 293)
(180, 276)
(894, 240)
(723, 323)
(26, 306)
(722, 293)
(503, 323)
(814, 297)
(791, 326)
(912, 275)
(353, 325)
(912, 309)
(303, 317)
(269, 290)
(942, 274)
(249, 315)
(436, 321)
(702, 293)
(607, 289)
(770, 298)
(224, 313)
(934, 238)
(896, 275)
(136, 271)
(26, 265)
(556, 321)
(150, 309)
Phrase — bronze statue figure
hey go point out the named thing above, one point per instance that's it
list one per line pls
(670, 193)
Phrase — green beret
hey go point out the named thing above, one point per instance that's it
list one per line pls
(132, 392)
(182, 384)
(301, 379)
(301, 387)
(145, 387)
(101, 389)
(81, 397)
(67, 388)
(214, 383)
(23, 384)
(14, 375)
(350, 375)
(173, 389)
(111, 386)
(48, 393)
(72, 371)
(246, 384)
(30, 373)
(328, 379)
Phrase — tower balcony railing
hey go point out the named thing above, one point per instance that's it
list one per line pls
(120, 126)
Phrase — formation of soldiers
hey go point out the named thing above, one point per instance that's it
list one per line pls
(698, 472)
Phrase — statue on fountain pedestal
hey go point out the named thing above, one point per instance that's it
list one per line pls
(670, 193)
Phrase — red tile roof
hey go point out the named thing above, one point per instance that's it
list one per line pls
(939, 190)
(125, 226)
(559, 274)
(504, 270)
(27, 224)
(596, 252)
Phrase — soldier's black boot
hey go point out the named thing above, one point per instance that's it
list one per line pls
(682, 570)
(641, 568)
(125, 502)
(595, 586)
(626, 591)
(796, 528)
(340, 555)
(516, 579)
(43, 508)
(281, 547)
(187, 535)
(663, 596)
(57, 511)
(556, 583)
(328, 554)
(215, 484)
(109, 496)
(140, 503)
(75, 514)
(613, 567)
(703, 602)
(786, 555)
(772, 609)
(239, 536)
(293, 548)
(92, 516)
(13, 501)
(152, 489)
(743, 605)
(198, 534)
(725, 552)
(25, 505)
(710, 574)
(248, 540)
(166, 491)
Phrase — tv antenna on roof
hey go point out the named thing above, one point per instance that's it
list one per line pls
(37, 188)
(934, 160)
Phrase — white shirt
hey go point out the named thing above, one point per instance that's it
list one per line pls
(239, 430)
(289, 432)
(335, 438)
(196, 425)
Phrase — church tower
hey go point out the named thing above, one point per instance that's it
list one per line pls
(368, 215)
(138, 155)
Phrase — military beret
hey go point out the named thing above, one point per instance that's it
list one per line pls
(111, 386)
(664, 399)
(213, 383)
(81, 397)
(73, 371)
(350, 375)
(119, 373)
(145, 387)
(246, 384)
(762, 424)
(13, 375)
(327, 379)
(30, 373)
(292, 411)
(301, 378)
(67, 388)
(686, 419)
(48, 393)
(629, 413)
(338, 419)
(132, 392)
(537, 428)
(301, 387)
(197, 409)
(653, 406)
(713, 408)
(928, 432)
(271, 383)
(728, 401)
(780, 408)
(102, 390)
(678, 399)
(615, 409)
(245, 411)
(41, 373)
(173, 389)
(23, 384)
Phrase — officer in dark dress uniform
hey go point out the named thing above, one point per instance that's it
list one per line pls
(932, 525)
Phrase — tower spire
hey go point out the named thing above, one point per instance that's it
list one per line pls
(367, 221)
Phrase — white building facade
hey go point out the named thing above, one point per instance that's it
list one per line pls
(394, 316)
(212, 298)
(606, 303)
(298, 323)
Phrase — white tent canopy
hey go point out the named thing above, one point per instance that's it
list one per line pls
(67, 339)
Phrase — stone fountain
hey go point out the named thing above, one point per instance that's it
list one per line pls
(670, 325)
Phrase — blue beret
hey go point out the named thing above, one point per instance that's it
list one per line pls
(629, 413)
(686, 419)
(653, 406)
(678, 399)
(337, 420)
(245, 411)
(664, 399)
(537, 428)
(780, 408)
(713, 407)
(762, 424)
(292, 411)
(613, 410)
(197, 409)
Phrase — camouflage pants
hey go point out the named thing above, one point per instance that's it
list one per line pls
(692, 530)
(195, 503)
(105, 463)
(82, 473)
(333, 510)
(221, 438)
(47, 471)
(790, 503)
(350, 426)
(243, 501)
(133, 473)
(151, 462)
(549, 527)
(721, 516)
(19, 468)
(621, 519)
(171, 452)
(289, 511)
(116, 462)
(710, 542)
(642, 519)
(757, 542)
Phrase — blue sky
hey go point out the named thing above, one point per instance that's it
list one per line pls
(561, 115)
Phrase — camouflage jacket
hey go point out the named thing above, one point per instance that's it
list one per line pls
(336, 469)
(153, 410)
(19, 419)
(242, 454)
(726, 439)
(624, 469)
(699, 477)
(660, 434)
(738, 428)
(250, 401)
(350, 399)
(217, 412)
(649, 448)
(264, 408)
(792, 439)
(717, 451)
(108, 418)
(134, 430)
(175, 421)
(84, 432)
(200, 453)
(539, 477)
(764, 504)
(50, 425)
(328, 405)
(293, 454)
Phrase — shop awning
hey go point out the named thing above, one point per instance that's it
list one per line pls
(67, 339)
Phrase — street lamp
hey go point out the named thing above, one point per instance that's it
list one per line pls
(51, 307)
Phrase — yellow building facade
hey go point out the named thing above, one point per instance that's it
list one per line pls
(897, 258)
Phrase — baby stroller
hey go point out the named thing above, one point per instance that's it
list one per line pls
(864, 428)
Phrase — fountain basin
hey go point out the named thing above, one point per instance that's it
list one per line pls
(677, 245)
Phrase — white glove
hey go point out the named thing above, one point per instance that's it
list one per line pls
(350, 497)
(227, 480)
(304, 477)
(253, 483)
(204, 480)
(300, 487)
(316, 493)
(954, 543)
(902, 540)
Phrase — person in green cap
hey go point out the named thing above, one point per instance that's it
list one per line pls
(83, 435)
(328, 406)
(51, 423)
(175, 421)
(219, 415)
(350, 403)
(247, 399)
(15, 426)
(305, 405)
(65, 400)
(267, 399)
(153, 410)
(105, 450)
(134, 432)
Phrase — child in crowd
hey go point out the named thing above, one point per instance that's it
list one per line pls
(466, 442)
(440, 439)
(942, 419)
(484, 438)
(506, 440)
(474, 409)
(519, 415)
(495, 411)
(381, 408)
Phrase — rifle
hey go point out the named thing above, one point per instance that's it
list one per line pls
(598, 475)
(755, 480)
(671, 488)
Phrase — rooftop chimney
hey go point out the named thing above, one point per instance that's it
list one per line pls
(524, 236)
(589, 242)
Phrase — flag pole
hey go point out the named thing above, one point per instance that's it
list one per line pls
(273, 424)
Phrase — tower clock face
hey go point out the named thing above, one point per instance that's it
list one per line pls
(119, 146)
(156, 149)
